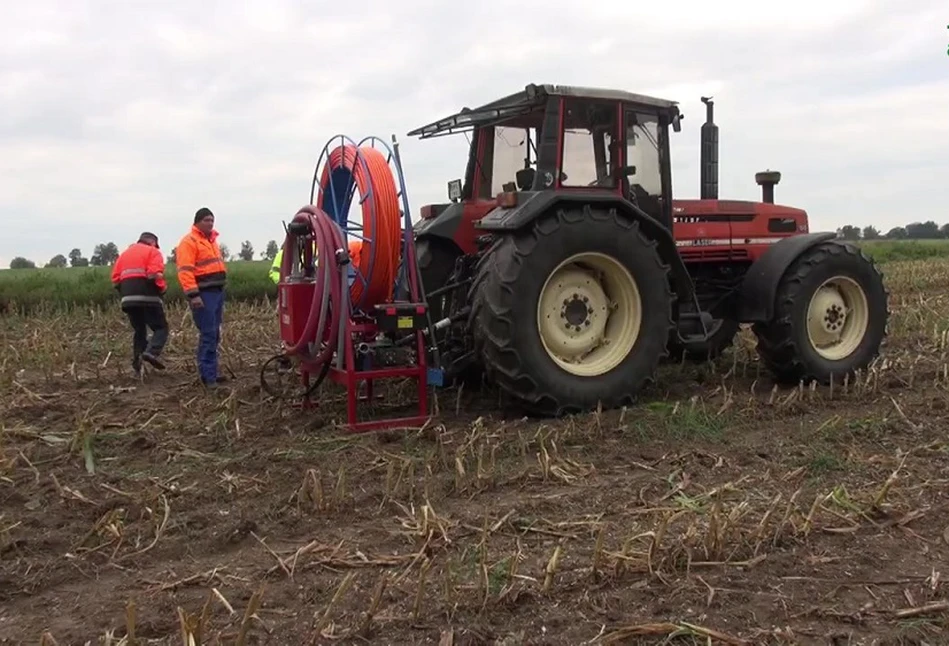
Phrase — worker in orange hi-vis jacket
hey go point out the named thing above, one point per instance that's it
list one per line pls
(203, 276)
(138, 275)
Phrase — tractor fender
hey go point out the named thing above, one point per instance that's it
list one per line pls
(760, 285)
(533, 204)
(444, 225)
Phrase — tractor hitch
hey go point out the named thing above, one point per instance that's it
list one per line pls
(696, 326)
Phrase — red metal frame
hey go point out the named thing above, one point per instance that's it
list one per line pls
(351, 377)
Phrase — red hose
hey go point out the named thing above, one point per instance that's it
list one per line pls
(328, 238)
(380, 250)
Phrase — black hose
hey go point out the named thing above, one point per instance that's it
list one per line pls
(310, 389)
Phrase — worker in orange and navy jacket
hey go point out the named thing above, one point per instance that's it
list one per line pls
(203, 275)
(138, 275)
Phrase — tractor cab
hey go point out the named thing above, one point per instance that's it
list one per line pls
(555, 138)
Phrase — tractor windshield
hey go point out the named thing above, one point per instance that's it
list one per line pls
(589, 139)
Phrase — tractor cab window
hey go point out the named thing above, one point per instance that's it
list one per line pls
(507, 159)
(513, 152)
(589, 142)
(643, 154)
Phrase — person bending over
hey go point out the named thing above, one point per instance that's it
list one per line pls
(138, 276)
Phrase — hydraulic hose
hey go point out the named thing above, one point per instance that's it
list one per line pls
(367, 168)
(329, 279)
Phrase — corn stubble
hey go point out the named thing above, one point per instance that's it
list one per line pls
(473, 521)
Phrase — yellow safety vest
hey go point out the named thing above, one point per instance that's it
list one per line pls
(278, 260)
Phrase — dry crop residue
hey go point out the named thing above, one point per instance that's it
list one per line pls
(718, 510)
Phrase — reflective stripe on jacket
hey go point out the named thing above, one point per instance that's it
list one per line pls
(355, 248)
(138, 274)
(200, 265)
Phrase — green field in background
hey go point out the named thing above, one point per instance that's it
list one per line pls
(27, 290)
(31, 289)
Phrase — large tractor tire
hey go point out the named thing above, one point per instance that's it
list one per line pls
(573, 312)
(829, 318)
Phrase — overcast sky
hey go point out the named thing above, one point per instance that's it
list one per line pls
(128, 115)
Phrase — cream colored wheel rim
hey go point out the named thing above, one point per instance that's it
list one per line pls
(837, 318)
(589, 314)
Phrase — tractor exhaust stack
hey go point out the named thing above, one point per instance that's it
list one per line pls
(708, 180)
(767, 179)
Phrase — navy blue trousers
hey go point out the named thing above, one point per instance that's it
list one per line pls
(208, 320)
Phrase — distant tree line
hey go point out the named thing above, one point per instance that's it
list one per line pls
(107, 253)
(928, 230)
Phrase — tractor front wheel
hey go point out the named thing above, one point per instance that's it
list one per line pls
(830, 316)
(573, 312)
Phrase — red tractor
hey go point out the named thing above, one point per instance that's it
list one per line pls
(563, 267)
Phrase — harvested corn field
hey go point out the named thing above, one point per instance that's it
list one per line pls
(719, 510)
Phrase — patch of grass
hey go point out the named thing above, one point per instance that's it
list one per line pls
(883, 251)
(37, 290)
(822, 463)
(680, 420)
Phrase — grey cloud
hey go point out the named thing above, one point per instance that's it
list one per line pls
(134, 114)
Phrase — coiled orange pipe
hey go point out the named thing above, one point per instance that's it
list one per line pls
(378, 260)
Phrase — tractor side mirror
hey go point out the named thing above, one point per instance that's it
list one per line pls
(677, 123)
(454, 190)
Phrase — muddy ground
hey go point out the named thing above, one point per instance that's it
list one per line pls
(718, 510)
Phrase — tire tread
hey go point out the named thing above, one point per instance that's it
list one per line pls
(777, 347)
(494, 288)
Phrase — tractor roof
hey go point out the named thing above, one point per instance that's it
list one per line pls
(524, 102)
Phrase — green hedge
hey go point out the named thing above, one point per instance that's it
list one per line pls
(26, 290)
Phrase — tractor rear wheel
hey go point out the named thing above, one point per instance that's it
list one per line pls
(829, 319)
(573, 312)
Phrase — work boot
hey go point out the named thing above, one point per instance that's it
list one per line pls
(153, 360)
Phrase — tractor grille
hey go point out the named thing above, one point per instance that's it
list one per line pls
(713, 254)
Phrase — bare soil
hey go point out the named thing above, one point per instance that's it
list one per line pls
(718, 510)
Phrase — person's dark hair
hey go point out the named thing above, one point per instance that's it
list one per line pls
(202, 213)
(148, 236)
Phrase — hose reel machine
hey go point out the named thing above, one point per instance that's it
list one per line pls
(338, 315)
